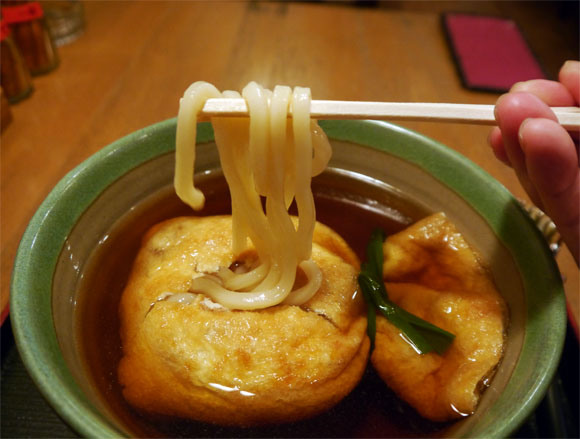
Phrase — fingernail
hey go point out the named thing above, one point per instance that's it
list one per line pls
(521, 138)
(571, 65)
(518, 86)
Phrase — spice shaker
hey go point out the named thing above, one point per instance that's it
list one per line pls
(30, 33)
(15, 77)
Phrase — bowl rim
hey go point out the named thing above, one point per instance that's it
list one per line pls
(31, 282)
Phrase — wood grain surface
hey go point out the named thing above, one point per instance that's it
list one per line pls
(135, 59)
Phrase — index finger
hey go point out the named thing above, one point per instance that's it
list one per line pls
(554, 94)
(570, 77)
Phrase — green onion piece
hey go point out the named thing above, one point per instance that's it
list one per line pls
(422, 335)
(371, 316)
(374, 262)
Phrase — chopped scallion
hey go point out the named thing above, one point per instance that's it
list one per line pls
(422, 335)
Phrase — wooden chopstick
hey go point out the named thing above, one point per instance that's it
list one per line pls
(569, 117)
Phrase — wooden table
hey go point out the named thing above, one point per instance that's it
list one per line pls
(136, 58)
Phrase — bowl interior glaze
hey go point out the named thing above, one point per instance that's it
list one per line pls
(88, 202)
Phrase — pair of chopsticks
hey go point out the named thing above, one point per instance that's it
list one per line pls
(569, 117)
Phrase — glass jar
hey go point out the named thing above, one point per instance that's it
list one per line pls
(65, 19)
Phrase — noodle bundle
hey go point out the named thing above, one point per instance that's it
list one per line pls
(198, 337)
(269, 157)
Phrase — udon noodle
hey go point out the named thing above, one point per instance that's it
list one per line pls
(268, 161)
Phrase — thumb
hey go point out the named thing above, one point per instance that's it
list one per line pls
(551, 161)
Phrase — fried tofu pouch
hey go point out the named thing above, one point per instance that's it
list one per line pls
(431, 271)
(204, 362)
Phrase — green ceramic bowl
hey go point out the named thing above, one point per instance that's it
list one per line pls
(91, 199)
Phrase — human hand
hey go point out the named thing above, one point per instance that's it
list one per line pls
(542, 153)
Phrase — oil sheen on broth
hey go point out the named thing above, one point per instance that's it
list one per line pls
(343, 204)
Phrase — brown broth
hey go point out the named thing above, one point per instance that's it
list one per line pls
(371, 410)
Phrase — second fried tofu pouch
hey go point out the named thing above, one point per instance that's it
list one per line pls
(432, 272)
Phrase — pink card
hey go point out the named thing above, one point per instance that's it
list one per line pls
(491, 52)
